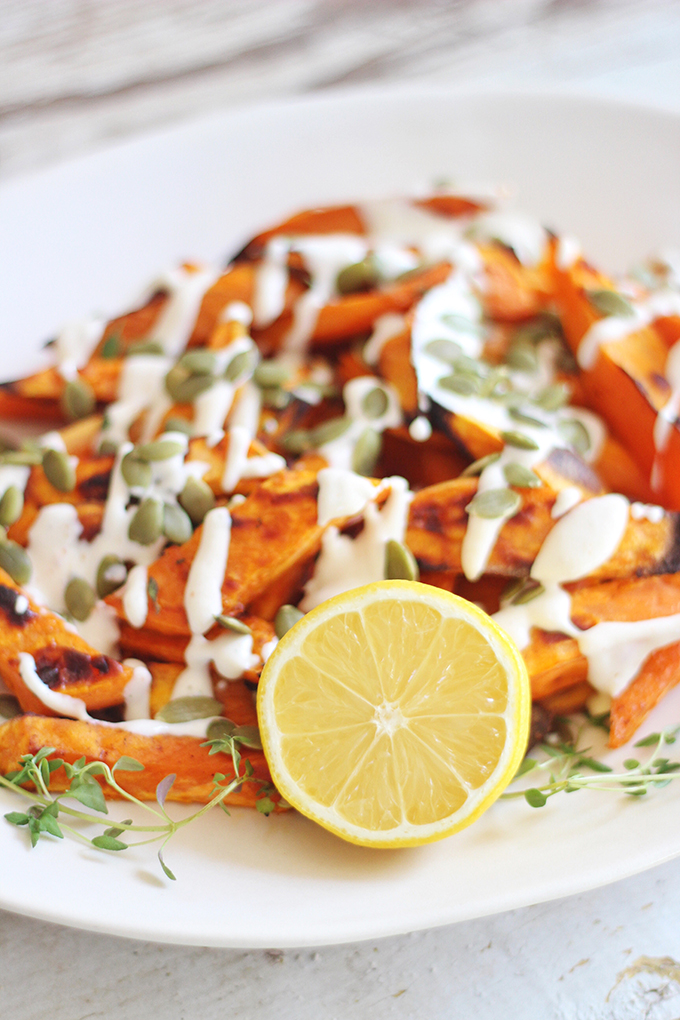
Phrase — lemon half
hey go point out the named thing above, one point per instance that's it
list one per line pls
(394, 714)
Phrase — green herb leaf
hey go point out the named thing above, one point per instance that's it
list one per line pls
(125, 764)
(105, 842)
(88, 792)
(535, 798)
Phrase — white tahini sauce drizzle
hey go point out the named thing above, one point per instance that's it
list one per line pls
(342, 493)
(384, 328)
(617, 327)
(203, 593)
(137, 691)
(271, 280)
(75, 344)
(522, 233)
(566, 500)
(185, 290)
(346, 563)
(135, 597)
(339, 452)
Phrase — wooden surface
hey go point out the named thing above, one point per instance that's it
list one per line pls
(74, 76)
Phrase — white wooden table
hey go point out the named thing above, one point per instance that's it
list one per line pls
(72, 78)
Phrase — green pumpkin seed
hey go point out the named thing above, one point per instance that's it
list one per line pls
(197, 498)
(79, 598)
(496, 376)
(511, 589)
(366, 452)
(510, 398)
(220, 728)
(233, 624)
(608, 302)
(271, 373)
(575, 433)
(469, 366)
(111, 573)
(178, 425)
(154, 347)
(478, 466)
(239, 365)
(137, 473)
(400, 563)
(147, 524)
(297, 441)
(461, 323)
(276, 398)
(447, 351)
(520, 476)
(494, 503)
(530, 590)
(360, 276)
(249, 736)
(78, 399)
(286, 617)
(198, 362)
(108, 448)
(522, 357)
(328, 431)
(9, 706)
(552, 398)
(526, 419)
(463, 385)
(184, 388)
(177, 526)
(25, 458)
(375, 403)
(11, 506)
(519, 440)
(542, 328)
(111, 347)
(180, 710)
(159, 449)
(59, 470)
(15, 562)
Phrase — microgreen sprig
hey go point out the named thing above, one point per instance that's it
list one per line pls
(49, 813)
(566, 761)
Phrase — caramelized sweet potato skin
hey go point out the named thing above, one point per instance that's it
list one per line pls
(161, 756)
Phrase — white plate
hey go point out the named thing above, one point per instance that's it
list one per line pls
(85, 236)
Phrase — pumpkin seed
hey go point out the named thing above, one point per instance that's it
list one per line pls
(575, 433)
(178, 425)
(59, 470)
(400, 563)
(197, 498)
(15, 562)
(111, 573)
(276, 398)
(510, 398)
(470, 366)
(79, 598)
(136, 473)
(233, 624)
(529, 591)
(366, 452)
(461, 323)
(360, 276)
(464, 385)
(220, 728)
(239, 365)
(495, 376)
(180, 710)
(154, 347)
(249, 736)
(478, 466)
(297, 441)
(108, 448)
(9, 706)
(553, 397)
(522, 477)
(147, 524)
(329, 430)
(25, 458)
(184, 388)
(177, 526)
(511, 589)
(447, 351)
(522, 356)
(538, 329)
(286, 617)
(494, 503)
(526, 419)
(375, 403)
(271, 373)
(519, 440)
(11, 506)
(608, 302)
(159, 449)
(198, 362)
(78, 399)
(111, 347)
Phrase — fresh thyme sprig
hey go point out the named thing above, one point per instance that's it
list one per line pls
(566, 761)
(49, 815)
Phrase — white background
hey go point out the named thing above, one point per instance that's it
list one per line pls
(76, 75)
